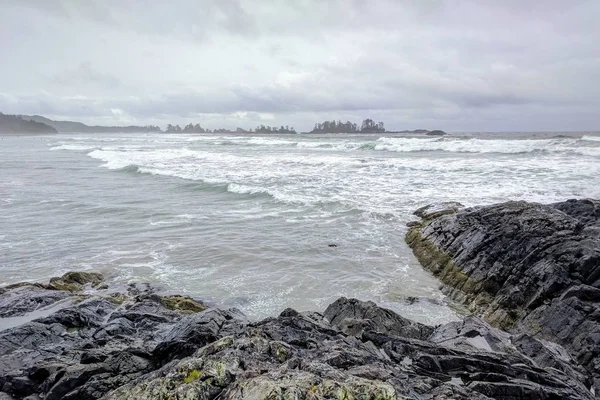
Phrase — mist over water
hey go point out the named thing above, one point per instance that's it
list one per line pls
(247, 221)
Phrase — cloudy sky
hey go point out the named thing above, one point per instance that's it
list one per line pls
(458, 65)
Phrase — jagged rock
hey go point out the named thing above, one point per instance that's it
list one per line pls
(348, 314)
(315, 360)
(81, 346)
(127, 343)
(437, 210)
(525, 267)
(17, 300)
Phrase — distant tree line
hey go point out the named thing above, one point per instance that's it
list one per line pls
(16, 124)
(274, 129)
(196, 128)
(367, 126)
(190, 128)
(39, 124)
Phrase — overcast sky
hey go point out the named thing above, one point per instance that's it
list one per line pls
(497, 65)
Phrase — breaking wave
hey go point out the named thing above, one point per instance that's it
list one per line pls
(590, 138)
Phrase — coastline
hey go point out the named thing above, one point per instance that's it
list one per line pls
(90, 339)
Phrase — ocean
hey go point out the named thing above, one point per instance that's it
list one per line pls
(263, 223)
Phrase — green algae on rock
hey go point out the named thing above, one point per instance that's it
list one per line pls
(183, 304)
(75, 281)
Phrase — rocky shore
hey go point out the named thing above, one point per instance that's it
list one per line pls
(526, 268)
(529, 269)
(78, 338)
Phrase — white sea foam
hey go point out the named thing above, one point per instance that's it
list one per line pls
(73, 147)
(225, 214)
(591, 138)
(461, 145)
(265, 141)
(325, 177)
(244, 189)
(411, 144)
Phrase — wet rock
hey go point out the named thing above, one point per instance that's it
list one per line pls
(194, 331)
(18, 300)
(302, 355)
(80, 346)
(525, 267)
(437, 210)
(472, 333)
(128, 343)
(347, 314)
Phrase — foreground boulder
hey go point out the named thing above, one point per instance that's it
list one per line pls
(525, 267)
(98, 341)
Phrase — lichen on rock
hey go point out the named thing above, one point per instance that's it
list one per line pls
(75, 281)
(183, 304)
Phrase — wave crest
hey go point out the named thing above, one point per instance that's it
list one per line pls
(590, 138)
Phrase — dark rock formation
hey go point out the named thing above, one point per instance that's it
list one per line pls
(527, 268)
(134, 343)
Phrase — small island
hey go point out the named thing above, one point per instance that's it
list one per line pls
(367, 126)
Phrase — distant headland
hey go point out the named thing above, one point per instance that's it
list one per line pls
(38, 124)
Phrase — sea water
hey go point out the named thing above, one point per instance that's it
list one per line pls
(265, 222)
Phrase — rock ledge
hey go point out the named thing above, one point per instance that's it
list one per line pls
(527, 268)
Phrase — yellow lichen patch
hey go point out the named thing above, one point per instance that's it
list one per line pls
(192, 376)
(75, 281)
(117, 298)
(182, 304)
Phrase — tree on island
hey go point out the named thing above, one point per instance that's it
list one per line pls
(335, 127)
(196, 128)
(191, 128)
(268, 129)
(173, 129)
(368, 126)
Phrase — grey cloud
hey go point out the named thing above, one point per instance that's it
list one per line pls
(464, 64)
(85, 74)
(185, 19)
